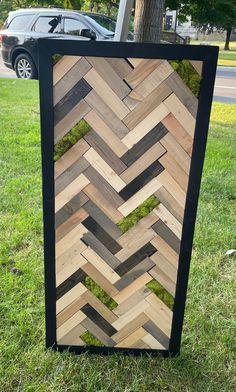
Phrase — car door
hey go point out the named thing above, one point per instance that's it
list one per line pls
(73, 26)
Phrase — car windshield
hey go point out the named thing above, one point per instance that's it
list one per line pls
(95, 22)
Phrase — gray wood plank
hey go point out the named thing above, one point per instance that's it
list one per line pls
(105, 152)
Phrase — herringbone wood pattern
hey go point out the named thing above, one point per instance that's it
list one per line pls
(142, 119)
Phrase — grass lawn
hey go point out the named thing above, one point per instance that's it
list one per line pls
(226, 57)
(207, 360)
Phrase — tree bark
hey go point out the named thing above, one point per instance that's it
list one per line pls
(227, 39)
(91, 5)
(148, 20)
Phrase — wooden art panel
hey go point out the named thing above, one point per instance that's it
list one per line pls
(115, 286)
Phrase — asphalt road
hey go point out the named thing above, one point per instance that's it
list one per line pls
(225, 84)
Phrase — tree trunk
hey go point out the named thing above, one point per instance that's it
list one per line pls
(98, 7)
(148, 20)
(228, 33)
(109, 6)
(91, 5)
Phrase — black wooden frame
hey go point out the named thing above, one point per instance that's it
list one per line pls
(47, 48)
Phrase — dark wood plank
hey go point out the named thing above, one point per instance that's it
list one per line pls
(146, 251)
(101, 235)
(90, 240)
(105, 152)
(138, 183)
(104, 187)
(102, 219)
(70, 208)
(69, 283)
(157, 333)
(72, 98)
(144, 144)
(167, 235)
(70, 174)
(135, 273)
(94, 316)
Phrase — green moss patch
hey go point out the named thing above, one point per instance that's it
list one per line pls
(72, 137)
(90, 339)
(99, 293)
(140, 212)
(161, 293)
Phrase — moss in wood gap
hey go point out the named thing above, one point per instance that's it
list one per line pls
(161, 293)
(99, 293)
(188, 74)
(72, 137)
(90, 340)
(140, 212)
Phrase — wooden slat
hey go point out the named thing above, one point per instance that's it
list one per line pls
(146, 125)
(142, 119)
(107, 94)
(105, 70)
(141, 72)
(63, 66)
(106, 133)
(104, 169)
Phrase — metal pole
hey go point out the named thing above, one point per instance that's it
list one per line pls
(123, 19)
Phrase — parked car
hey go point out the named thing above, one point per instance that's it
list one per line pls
(23, 27)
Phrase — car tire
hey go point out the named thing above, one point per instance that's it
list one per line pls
(25, 67)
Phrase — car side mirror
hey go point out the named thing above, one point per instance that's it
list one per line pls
(88, 34)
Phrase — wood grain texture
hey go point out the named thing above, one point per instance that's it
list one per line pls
(142, 120)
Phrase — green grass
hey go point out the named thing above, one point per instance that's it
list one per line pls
(226, 57)
(207, 360)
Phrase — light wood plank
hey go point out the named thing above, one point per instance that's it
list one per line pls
(100, 200)
(104, 169)
(130, 315)
(103, 310)
(132, 288)
(100, 279)
(146, 105)
(70, 191)
(100, 265)
(173, 148)
(109, 137)
(150, 156)
(146, 125)
(70, 239)
(71, 323)
(172, 187)
(154, 79)
(166, 250)
(68, 312)
(174, 105)
(173, 167)
(107, 94)
(179, 133)
(70, 157)
(141, 72)
(152, 342)
(107, 73)
(139, 197)
(69, 269)
(170, 221)
(132, 338)
(63, 66)
(70, 297)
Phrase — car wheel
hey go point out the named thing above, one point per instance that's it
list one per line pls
(25, 67)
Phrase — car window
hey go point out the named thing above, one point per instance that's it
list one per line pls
(20, 22)
(47, 24)
(107, 23)
(73, 26)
